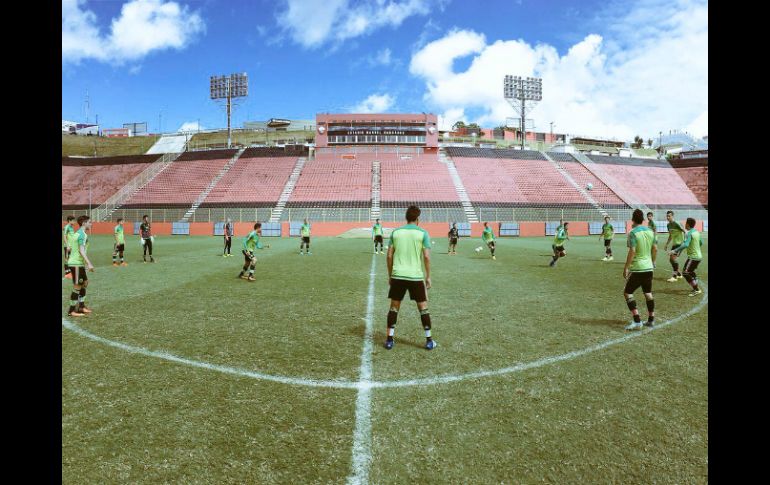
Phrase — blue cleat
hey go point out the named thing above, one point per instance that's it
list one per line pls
(389, 344)
(430, 344)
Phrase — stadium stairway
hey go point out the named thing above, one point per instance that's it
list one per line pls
(577, 186)
(103, 212)
(609, 181)
(470, 212)
(375, 210)
(275, 214)
(169, 144)
(211, 185)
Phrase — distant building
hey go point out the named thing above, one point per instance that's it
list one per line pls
(280, 124)
(75, 128)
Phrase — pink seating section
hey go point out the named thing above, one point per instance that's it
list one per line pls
(651, 185)
(179, 183)
(697, 180)
(253, 180)
(415, 179)
(105, 181)
(600, 192)
(498, 180)
(332, 178)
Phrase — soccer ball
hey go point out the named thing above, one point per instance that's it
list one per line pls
(589, 186)
(478, 249)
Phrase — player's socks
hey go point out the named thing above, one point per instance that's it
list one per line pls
(650, 312)
(73, 301)
(392, 319)
(425, 319)
(82, 300)
(634, 311)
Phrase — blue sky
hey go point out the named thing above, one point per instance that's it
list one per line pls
(612, 69)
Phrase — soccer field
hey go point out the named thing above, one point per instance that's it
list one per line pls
(185, 373)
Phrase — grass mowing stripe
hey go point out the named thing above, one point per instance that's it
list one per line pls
(362, 437)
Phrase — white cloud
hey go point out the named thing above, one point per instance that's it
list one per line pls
(143, 26)
(314, 23)
(189, 127)
(381, 58)
(376, 103)
(635, 81)
(700, 126)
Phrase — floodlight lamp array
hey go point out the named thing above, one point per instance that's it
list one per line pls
(233, 86)
(518, 88)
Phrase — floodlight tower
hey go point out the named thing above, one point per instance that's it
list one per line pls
(517, 91)
(227, 88)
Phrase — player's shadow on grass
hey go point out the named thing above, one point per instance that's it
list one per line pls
(600, 322)
(379, 338)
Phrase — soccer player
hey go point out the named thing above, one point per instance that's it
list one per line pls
(562, 234)
(120, 244)
(304, 231)
(488, 236)
(638, 269)
(65, 236)
(249, 246)
(651, 225)
(377, 235)
(78, 262)
(675, 237)
(692, 242)
(228, 238)
(408, 253)
(608, 232)
(453, 235)
(147, 238)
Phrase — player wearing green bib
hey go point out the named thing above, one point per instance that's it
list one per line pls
(65, 235)
(561, 235)
(377, 236)
(120, 244)
(692, 243)
(304, 231)
(248, 247)
(78, 262)
(675, 237)
(651, 225)
(608, 232)
(453, 236)
(488, 236)
(638, 269)
(409, 269)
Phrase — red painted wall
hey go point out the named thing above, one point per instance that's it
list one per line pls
(531, 229)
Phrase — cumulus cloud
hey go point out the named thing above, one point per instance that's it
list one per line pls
(376, 103)
(190, 127)
(700, 126)
(144, 26)
(382, 58)
(313, 23)
(631, 81)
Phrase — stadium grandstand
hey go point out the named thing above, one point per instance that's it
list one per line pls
(375, 165)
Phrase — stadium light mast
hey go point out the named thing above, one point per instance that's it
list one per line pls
(228, 88)
(517, 91)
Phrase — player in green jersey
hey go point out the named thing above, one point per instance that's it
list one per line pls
(65, 234)
(409, 269)
(78, 262)
(651, 225)
(608, 232)
(249, 246)
(145, 232)
(562, 234)
(692, 243)
(675, 237)
(377, 236)
(304, 231)
(453, 236)
(488, 236)
(638, 269)
(119, 245)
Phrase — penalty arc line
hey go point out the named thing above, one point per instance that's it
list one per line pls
(362, 435)
(346, 384)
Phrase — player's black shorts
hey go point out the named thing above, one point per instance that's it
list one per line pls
(79, 275)
(247, 255)
(416, 289)
(453, 241)
(643, 279)
(378, 239)
(557, 248)
(690, 265)
(674, 248)
(306, 239)
(491, 244)
(607, 242)
(120, 247)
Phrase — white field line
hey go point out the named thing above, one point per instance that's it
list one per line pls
(362, 436)
(344, 384)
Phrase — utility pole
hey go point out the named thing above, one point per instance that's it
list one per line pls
(551, 131)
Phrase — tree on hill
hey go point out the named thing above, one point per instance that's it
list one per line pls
(637, 142)
(649, 143)
(458, 125)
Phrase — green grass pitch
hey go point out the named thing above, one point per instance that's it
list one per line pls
(634, 412)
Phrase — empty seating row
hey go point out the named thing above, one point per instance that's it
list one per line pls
(696, 179)
(179, 183)
(639, 162)
(328, 178)
(95, 184)
(251, 181)
(423, 180)
(599, 191)
(652, 186)
(468, 152)
(273, 152)
(225, 154)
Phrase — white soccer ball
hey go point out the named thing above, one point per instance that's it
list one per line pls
(589, 186)
(478, 249)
